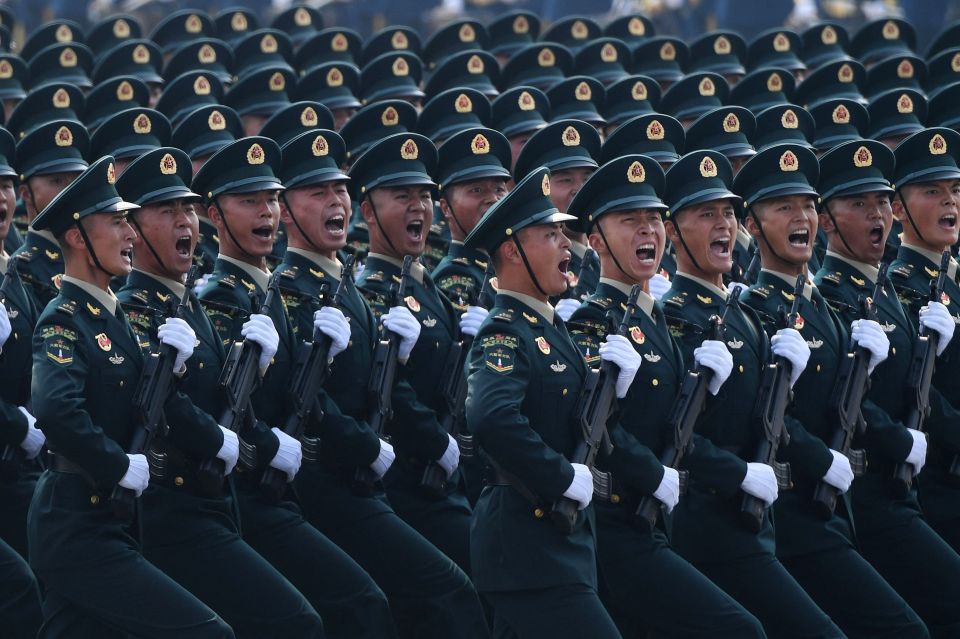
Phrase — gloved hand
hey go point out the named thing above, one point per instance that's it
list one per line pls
(331, 322)
(384, 460)
(715, 355)
(581, 488)
(259, 328)
(137, 476)
(200, 282)
(289, 455)
(177, 333)
(839, 475)
(34, 440)
(868, 334)
(470, 321)
(5, 328)
(230, 450)
(934, 316)
(451, 457)
(618, 350)
(734, 286)
(761, 482)
(401, 321)
(790, 344)
(668, 492)
(918, 452)
(566, 307)
(658, 286)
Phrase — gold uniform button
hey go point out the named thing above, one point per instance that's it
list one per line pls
(614, 499)
(538, 513)
(178, 481)
(121, 383)
(94, 499)
(201, 366)
(564, 392)
(655, 381)
(894, 350)
(740, 368)
(818, 368)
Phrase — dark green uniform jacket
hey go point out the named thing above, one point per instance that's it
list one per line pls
(525, 375)
(460, 274)
(40, 266)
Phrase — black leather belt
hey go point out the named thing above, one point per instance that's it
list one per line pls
(61, 464)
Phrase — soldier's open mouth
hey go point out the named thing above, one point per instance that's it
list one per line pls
(183, 245)
(647, 252)
(799, 238)
(563, 265)
(335, 224)
(720, 247)
(264, 232)
(127, 255)
(876, 235)
(415, 230)
(948, 221)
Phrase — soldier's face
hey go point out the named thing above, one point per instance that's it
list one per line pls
(466, 203)
(340, 117)
(635, 238)
(322, 211)
(252, 123)
(790, 226)
(933, 208)
(112, 239)
(252, 219)
(565, 184)
(709, 231)
(44, 189)
(738, 162)
(172, 228)
(864, 221)
(548, 251)
(404, 213)
(8, 203)
(516, 144)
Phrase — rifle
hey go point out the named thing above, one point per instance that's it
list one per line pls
(919, 380)
(10, 454)
(310, 371)
(749, 276)
(153, 390)
(576, 291)
(454, 392)
(686, 410)
(380, 387)
(240, 374)
(594, 407)
(851, 387)
(772, 401)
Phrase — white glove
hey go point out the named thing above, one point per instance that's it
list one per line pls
(918, 453)
(230, 450)
(5, 328)
(618, 350)
(761, 482)
(658, 286)
(581, 488)
(471, 320)
(331, 322)
(715, 355)
(289, 455)
(401, 321)
(33, 442)
(200, 282)
(790, 344)
(177, 333)
(260, 329)
(839, 475)
(868, 334)
(934, 316)
(737, 286)
(384, 460)
(451, 457)
(668, 492)
(566, 307)
(137, 476)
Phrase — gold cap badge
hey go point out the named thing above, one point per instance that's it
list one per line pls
(655, 130)
(570, 137)
(390, 117)
(938, 146)
(409, 150)
(545, 184)
(789, 162)
(168, 164)
(216, 121)
(201, 86)
(636, 173)
(334, 77)
(255, 154)
(526, 101)
(111, 174)
(480, 145)
(463, 104)
(320, 147)
(731, 123)
(206, 54)
(142, 124)
(706, 87)
(708, 167)
(467, 33)
(862, 157)
(63, 137)
(301, 17)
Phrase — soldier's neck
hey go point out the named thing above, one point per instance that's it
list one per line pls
(308, 249)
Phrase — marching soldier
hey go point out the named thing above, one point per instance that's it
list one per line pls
(525, 375)
(706, 529)
(780, 213)
(240, 187)
(856, 215)
(191, 535)
(620, 207)
(85, 363)
(429, 595)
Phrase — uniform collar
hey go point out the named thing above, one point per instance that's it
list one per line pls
(791, 280)
(175, 287)
(543, 308)
(47, 235)
(716, 290)
(868, 271)
(578, 249)
(644, 301)
(3, 260)
(106, 297)
(330, 267)
(934, 259)
(479, 257)
(260, 277)
(416, 269)
(743, 238)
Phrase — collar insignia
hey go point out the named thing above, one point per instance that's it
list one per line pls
(543, 345)
(557, 367)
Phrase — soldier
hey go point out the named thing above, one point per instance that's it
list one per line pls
(429, 595)
(780, 212)
(240, 187)
(85, 361)
(856, 215)
(620, 208)
(191, 535)
(392, 180)
(706, 530)
(926, 204)
(525, 375)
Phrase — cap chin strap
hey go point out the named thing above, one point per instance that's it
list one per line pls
(93, 253)
(383, 232)
(303, 232)
(454, 215)
(836, 227)
(903, 202)
(216, 203)
(763, 236)
(526, 264)
(683, 243)
(610, 251)
(143, 236)
(33, 198)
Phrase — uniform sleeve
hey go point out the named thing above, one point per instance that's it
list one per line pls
(13, 424)
(496, 386)
(807, 454)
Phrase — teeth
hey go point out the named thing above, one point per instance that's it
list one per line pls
(646, 247)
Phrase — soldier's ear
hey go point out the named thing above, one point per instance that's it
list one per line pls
(826, 223)
(366, 210)
(73, 239)
(669, 226)
(596, 242)
(897, 205)
(750, 223)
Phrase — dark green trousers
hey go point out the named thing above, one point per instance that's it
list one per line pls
(20, 615)
(572, 610)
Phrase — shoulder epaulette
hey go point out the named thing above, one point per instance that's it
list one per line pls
(141, 295)
(376, 276)
(601, 302)
(230, 281)
(25, 255)
(763, 292)
(461, 260)
(833, 277)
(503, 315)
(68, 308)
(289, 272)
(902, 270)
(674, 300)
(53, 256)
